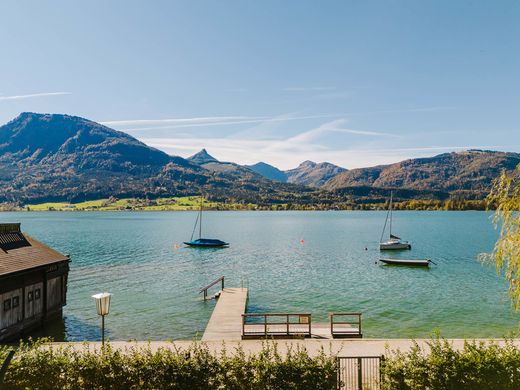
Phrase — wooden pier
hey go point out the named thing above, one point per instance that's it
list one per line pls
(226, 321)
(230, 322)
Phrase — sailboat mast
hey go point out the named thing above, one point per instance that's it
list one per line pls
(384, 227)
(200, 218)
(391, 196)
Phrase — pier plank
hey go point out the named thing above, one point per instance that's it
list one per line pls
(226, 320)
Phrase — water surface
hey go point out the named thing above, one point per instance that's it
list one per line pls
(155, 283)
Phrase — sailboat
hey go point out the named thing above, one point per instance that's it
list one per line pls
(394, 242)
(203, 242)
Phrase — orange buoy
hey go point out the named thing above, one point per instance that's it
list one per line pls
(302, 241)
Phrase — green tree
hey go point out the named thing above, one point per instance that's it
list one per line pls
(505, 195)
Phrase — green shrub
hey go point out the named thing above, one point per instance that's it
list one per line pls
(477, 365)
(38, 366)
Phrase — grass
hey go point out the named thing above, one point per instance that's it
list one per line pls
(161, 204)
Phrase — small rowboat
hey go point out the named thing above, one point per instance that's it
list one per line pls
(413, 263)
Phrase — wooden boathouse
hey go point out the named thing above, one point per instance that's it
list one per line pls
(33, 282)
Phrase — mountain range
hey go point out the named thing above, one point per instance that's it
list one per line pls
(308, 173)
(46, 157)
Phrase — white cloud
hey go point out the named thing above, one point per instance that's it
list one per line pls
(175, 123)
(334, 127)
(285, 153)
(273, 140)
(309, 89)
(33, 95)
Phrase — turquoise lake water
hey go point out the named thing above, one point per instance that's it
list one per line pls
(155, 284)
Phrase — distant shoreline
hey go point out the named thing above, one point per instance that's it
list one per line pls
(192, 203)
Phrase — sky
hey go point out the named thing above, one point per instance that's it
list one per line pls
(355, 83)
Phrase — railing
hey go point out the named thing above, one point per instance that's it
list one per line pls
(276, 325)
(205, 289)
(345, 325)
(360, 372)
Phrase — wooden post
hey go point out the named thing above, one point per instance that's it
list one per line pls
(331, 325)
(222, 283)
(381, 363)
(287, 323)
(359, 374)
(265, 325)
(309, 318)
(102, 331)
(5, 364)
(243, 324)
(359, 319)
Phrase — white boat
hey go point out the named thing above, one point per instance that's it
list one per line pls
(393, 242)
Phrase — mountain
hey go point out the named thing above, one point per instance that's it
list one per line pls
(229, 169)
(312, 174)
(51, 157)
(268, 171)
(202, 157)
(468, 171)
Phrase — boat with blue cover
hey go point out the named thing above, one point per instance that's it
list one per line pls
(203, 242)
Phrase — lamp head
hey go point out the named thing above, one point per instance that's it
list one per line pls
(102, 303)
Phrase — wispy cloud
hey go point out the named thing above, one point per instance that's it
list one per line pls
(173, 121)
(286, 155)
(309, 89)
(403, 110)
(33, 95)
(285, 152)
(275, 140)
(157, 124)
(335, 126)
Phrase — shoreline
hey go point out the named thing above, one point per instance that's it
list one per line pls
(137, 210)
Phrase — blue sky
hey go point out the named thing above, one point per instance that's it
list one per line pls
(356, 83)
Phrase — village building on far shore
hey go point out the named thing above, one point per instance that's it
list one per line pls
(33, 282)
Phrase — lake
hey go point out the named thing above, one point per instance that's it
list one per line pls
(295, 261)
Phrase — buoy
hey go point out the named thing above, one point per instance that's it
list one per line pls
(302, 241)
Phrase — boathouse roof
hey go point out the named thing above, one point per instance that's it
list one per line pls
(20, 252)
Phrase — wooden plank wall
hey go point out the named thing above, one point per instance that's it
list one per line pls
(33, 300)
(12, 315)
(54, 292)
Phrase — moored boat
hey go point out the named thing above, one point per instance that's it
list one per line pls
(407, 262)
(206, 243)
(203, 242)
(394, 242)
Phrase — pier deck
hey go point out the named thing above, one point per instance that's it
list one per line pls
(226, 321)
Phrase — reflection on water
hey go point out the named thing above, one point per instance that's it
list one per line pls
(291, 261)
(70, 328)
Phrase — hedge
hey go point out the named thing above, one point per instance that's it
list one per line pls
(439, 366)
(37, 366)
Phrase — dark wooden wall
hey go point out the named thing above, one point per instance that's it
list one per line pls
(30, 298)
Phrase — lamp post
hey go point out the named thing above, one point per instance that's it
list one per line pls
(102, 306)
